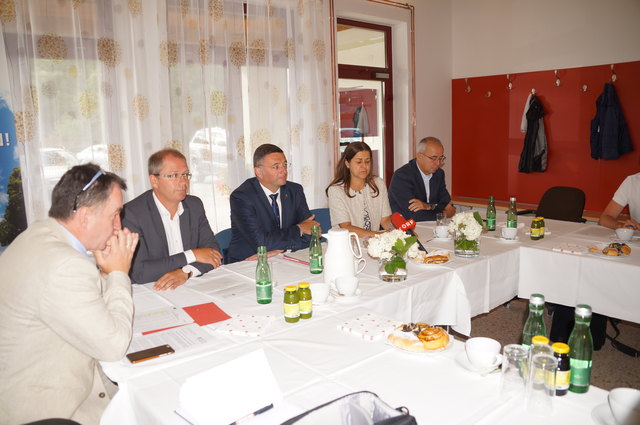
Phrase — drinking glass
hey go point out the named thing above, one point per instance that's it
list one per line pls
(541, 386)
(440, 219)
(514, 368)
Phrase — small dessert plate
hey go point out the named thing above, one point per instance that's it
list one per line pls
(343, 299)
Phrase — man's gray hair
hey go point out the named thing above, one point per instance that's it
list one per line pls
(422, 144)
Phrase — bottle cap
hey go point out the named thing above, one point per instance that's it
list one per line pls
(583, 310)
(539, 218)
(539, 339)
(490, 198)
(262, 249)
(560, 347)
(290, 288)
(537, 299)
(512, 199)
(303, 285)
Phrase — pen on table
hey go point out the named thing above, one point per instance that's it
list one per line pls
(295, 260)
(251, 415)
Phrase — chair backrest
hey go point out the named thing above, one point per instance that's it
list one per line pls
(562, 203)
(224, 239)
(323, 217)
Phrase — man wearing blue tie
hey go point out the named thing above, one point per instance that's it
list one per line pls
(269, 210)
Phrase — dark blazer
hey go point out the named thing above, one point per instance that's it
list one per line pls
(609, 132)
(253, 223)
(151, 259)
(407, 184)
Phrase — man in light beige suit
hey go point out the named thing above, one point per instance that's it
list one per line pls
(59, 313)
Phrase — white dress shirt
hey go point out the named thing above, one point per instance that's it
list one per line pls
(425, 179)
(174, 236)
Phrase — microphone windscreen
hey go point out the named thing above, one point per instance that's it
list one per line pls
(399, 222)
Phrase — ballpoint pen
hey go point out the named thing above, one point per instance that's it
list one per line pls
(251, 415)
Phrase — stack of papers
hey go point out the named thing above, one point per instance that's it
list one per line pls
(570, 248)
(369, 327)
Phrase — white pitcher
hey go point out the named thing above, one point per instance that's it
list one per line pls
(340, 258)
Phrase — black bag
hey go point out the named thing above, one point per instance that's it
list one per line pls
(361, 408)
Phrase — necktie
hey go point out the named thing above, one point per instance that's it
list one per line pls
(274, 207)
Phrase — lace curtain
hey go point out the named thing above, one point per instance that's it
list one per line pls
(113, 81)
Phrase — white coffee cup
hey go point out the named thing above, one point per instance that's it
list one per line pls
(624, 233)
(319, 292)
(625, 405)
(347, 285)
(442, 232)
(482, 352)
(509, 232)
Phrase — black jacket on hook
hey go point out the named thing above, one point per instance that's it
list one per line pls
(609, 133)
(534, 152)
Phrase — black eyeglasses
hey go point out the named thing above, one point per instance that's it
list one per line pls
(84, 189)
(174, 176)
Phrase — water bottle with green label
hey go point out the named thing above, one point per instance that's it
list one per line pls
(315, 251)
(581, 350)
(491, 214)
(512, 213)
(263, 277)
(535, 322)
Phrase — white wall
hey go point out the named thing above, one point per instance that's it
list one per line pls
(492, 37)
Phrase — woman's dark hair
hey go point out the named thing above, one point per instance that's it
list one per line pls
(342, 176)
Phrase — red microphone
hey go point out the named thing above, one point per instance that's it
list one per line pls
(401, 223)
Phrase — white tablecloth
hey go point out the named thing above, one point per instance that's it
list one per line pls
(314, 362)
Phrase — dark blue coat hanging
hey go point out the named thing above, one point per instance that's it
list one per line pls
(609, 133)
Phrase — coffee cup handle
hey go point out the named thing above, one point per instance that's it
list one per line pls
(359, 262)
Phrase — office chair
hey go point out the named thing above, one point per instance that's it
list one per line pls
(224, 239)
(323, 217)
(560, 203)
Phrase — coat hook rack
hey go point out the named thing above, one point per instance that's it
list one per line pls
(510, 85)
(557, 78)
(468, 89)
(614, 77)
(533, 91)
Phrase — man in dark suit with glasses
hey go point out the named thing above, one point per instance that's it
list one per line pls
(176, 241)
(418, 188)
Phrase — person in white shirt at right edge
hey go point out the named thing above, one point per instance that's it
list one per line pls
(627, 194)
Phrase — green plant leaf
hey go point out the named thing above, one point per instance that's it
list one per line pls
(401, 246)
(394, 264)
(476, 215)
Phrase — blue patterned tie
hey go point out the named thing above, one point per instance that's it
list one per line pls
(274, 207)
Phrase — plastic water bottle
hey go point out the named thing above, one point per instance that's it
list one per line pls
(581, 350)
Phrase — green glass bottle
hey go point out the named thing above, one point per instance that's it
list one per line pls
(263, 277)
(535, 322)
(581, 350)
(491, 214)
(315, 251)
(512, 213)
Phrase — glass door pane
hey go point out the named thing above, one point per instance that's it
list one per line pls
(362, 117)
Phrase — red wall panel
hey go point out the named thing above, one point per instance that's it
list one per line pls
(487, 140)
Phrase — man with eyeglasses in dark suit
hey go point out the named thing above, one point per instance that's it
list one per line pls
(176, 241)
(269, 210)
(418, 188)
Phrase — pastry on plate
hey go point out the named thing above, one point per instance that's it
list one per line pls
(617, 248)
(419, 337)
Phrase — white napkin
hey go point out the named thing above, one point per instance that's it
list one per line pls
(244, 325)
(370, 327)
(570, 248)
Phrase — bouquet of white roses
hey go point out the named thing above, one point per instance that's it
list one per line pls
(390, 247)
(467, 224)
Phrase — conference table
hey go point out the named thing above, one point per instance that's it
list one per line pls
(317, 360)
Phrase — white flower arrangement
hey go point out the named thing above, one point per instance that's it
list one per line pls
(466, 224)
(385, 245)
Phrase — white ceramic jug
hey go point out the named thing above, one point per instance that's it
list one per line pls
(340, 258)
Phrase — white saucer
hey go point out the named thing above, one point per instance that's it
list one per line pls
(602, 415)
(501, 239)
(343, 299)
(330, 300)
(463, 361)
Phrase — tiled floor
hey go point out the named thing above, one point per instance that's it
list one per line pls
(611, 368)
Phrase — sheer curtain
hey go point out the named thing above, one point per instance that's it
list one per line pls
(113, 81)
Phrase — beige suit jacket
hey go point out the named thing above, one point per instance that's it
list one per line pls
(58, 316)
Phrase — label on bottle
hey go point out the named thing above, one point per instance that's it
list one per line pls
(315, 264)
(536, 233)
(491, 223)
(263, 291)
(292, 311)
(512, 223)
(580, 373)
(305, 307)
(562, 379)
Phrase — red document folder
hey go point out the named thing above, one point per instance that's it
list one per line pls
(206, 314)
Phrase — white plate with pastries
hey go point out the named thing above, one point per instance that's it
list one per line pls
(614, 250)
(435, 257)
(420, 338)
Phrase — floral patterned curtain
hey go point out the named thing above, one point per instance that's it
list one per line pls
(112, 81)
